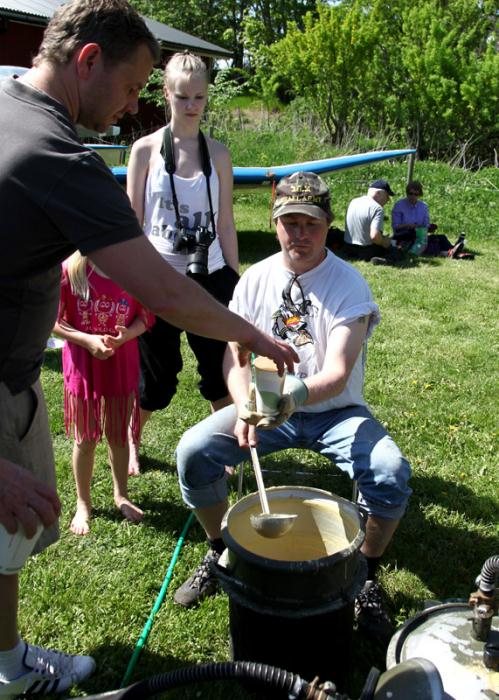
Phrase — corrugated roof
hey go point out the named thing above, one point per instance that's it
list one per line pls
(169, 37)
(177, 39)
(37, 8)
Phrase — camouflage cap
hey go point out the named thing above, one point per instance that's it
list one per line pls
(303, 193)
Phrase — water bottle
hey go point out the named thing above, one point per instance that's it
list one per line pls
(421, 241)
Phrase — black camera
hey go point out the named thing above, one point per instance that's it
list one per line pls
(196, 242)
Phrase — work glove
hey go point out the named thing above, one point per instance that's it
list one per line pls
(295, 393)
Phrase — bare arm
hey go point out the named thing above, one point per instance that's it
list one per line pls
(378, 238)
(95, 344)
(344, 346)
(138, 167)
(226, 228)
(137, 267)
(238, 380)
(125, 333)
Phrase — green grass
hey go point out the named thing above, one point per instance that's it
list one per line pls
(431, 378)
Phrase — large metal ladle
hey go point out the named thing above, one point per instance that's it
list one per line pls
(268, 524)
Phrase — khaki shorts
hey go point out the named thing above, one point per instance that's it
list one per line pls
(25, 440)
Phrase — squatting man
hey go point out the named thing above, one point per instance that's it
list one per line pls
(324, 309)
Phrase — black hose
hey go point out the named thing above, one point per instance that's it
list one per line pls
(488, 575)
(269, 676)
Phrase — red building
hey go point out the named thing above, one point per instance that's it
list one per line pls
(22, 23)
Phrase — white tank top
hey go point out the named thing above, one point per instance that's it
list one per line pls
(193, 208)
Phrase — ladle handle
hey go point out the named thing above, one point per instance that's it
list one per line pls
(259, 480)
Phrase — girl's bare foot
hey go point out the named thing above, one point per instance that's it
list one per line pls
(133, 460)
(79, 524)
(129, 510)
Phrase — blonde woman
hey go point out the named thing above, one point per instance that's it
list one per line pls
(100, 323)
(180, 185)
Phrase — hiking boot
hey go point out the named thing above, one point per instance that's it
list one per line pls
(47, 671)
(200, 585)
(370, 612)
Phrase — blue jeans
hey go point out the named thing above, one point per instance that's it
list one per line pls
(350, 437)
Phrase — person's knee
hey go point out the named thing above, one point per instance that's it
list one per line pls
(384, 485)
(86, 447)
(192, 455)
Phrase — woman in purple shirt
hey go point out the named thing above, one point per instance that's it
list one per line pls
(410, 213)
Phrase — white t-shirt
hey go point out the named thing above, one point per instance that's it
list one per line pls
(303, 310)
(362, 213)
(193, 207)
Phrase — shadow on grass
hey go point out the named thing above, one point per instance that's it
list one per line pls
(149, 464)
(112, 663)
(162, 515)
(256, 245)
(406, 264)
(149, 664)
(422, 542)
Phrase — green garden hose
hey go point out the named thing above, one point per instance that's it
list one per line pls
(166, 581)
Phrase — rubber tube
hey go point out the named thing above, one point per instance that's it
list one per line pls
(488, 575)
(269, 676)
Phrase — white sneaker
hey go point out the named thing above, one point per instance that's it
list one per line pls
(49, 671)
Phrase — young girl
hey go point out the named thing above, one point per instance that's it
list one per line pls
(100, 323)
(168, 204)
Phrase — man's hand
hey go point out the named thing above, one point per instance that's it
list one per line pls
(23, 497)
(295, 394)
(249, 414)
(282, 354)
(245, 434)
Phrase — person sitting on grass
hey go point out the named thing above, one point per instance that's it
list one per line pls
(324, 309)
(408, 214)
(364, 239)
(411, 213)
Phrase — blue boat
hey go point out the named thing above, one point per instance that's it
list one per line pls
(251, 176)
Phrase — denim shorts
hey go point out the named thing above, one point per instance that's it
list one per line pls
(350, 437)
(25, 440)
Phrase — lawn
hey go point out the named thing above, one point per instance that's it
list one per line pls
(432, 378)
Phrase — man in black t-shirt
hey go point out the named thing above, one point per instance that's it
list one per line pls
(57, 196)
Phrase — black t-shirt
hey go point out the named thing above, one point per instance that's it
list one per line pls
(56, 196)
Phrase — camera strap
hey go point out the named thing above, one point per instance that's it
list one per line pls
(169, 157)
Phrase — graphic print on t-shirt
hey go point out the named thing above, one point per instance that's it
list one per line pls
(84, 309)
(290, 319)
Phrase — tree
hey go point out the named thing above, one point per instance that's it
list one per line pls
(222, 21)
(427, 68)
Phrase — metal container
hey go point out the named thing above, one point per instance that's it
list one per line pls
(443, 634)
